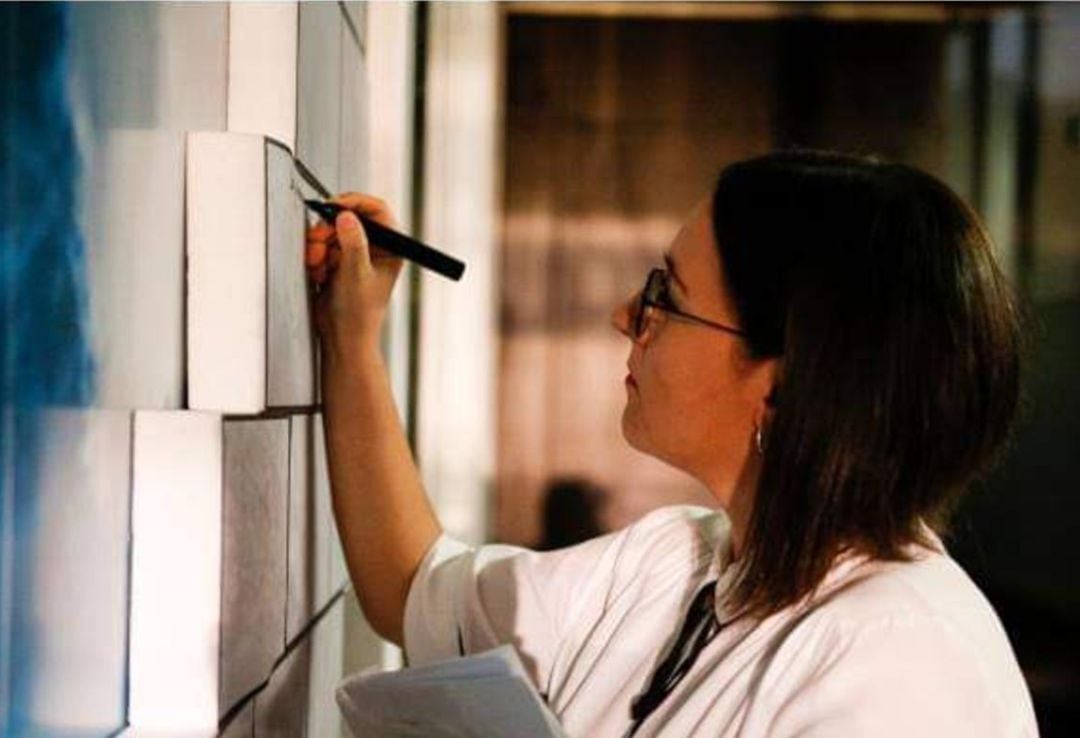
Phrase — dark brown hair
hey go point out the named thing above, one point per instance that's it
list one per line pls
(899, 343)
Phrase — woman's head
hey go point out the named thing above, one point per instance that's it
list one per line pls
(696, 395)
(868, 297)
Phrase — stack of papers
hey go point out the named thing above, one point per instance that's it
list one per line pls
(476, 696)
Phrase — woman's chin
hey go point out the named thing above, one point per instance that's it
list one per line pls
(629, 430)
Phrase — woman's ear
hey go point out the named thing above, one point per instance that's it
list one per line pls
(771, 370)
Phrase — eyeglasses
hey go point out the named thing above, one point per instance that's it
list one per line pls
(657, 294)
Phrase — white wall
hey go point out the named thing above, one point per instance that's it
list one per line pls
(458, 339)
(185, 563)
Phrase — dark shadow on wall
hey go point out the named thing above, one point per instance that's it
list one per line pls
(572, 512)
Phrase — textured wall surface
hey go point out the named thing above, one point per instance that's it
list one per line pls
(142, 75)
(178, 567)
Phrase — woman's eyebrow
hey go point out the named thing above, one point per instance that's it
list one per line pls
(670, 262)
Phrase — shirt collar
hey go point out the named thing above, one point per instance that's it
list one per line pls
(725, 571)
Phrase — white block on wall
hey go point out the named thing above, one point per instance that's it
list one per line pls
(253, 567)
(318, 124)
(150, 65)
(458, 336)
(303, 511)
(327, 665)
(262, 69)
(354, 174)
(357, 10)
(390, 59)
(78, 601)
(299, 696)
(133, 220)
(209, 518)
(250, 343)
(316, 563)
(330, 543)
(242, 724)
(281, 707)
(175, 571)
(226, 249)
(140, 76)
(290, 344)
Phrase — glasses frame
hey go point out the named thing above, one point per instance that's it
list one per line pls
(657, 294)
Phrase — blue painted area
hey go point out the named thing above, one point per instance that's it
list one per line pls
(46, 355)
(45, 358)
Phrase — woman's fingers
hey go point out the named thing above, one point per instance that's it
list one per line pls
(328, 246)
(353, 241)
(368, 206)
(320, 231)
(315, 253)
(323, 256)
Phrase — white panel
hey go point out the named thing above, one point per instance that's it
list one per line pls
(226, 248)
(459, 340)
(134, 226)
(333, 574)
(290, 344)
(318, 125)
(281, 709)
(191, 77)
(140, 75)
(324, 716)
(316, 562)
(262, 69)
(250, 336)
(253, 563)
(150, 65)
(390, 53)
(302, 563)
(357, 11)
(80, 580)
(355, 122)
(175, 571)
(241, 726)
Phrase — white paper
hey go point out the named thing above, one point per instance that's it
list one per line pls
(482, 695)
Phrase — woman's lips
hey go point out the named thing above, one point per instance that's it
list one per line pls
(630, 380)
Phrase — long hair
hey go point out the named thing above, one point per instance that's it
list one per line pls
(898, 340)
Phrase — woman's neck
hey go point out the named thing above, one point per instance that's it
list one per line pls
(738, 503)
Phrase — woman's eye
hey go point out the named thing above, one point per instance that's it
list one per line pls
(665, 298)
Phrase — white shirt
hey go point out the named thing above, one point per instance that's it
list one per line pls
(883, 649)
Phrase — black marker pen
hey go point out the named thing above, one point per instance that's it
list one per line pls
(396, 243)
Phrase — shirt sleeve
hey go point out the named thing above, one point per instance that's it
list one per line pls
(466, 599)
(900, 677)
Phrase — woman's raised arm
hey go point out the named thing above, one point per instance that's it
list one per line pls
(383, 516)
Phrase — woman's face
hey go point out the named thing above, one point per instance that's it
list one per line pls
(694, 396)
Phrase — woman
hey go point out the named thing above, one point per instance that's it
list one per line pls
(833, 353)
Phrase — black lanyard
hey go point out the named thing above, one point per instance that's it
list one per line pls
(700, 627)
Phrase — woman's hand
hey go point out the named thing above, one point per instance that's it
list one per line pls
(355, 279)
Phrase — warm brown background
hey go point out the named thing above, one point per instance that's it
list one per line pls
(615, 128)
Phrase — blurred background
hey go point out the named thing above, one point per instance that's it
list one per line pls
(556, 148)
